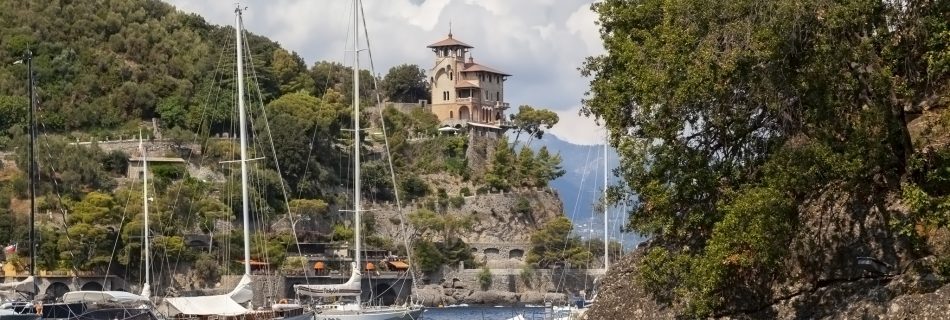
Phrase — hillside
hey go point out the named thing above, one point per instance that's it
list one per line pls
(140, 66)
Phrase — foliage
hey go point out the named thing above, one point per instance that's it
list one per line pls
(502, 166)
(342, 233)
(413, 188)
(449, 225)
(484, 278)
(527, 169)
(207, 269)
(168, 171)
(532, 121)
(308, 207)
(554, 244)
(406, 83)
(427, 256)
(727, 114)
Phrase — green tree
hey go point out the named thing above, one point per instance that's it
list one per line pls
(721, 109)
(553, 243)
(547, 166)
(533, 121)
(502, 168)
(406, 83)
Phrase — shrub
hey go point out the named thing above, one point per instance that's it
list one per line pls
(457, 202)
(465, 191)
(484, 278)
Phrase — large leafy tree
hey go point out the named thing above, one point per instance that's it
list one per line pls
(532, 121)
(405, 83)
(726, 113)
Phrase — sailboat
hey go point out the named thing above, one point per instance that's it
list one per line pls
(352, 288)
(230, 304)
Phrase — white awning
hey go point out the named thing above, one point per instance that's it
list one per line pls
(102, 296)
(444, 129)
(221, 304)
(228, 304)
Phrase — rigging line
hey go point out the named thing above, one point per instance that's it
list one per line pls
(326, 87)
(577, 201)
(205, 115)
(273, 150)
(389, 156)
(59, 196)
(115, 244)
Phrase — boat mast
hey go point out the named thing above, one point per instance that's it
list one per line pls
(243, 131)
(29, 62)
(356, 139)
(606, 215)
(146, 289)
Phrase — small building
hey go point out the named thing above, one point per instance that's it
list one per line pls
(466, 94)
(136, 165)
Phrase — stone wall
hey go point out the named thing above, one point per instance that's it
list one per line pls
(507, 286)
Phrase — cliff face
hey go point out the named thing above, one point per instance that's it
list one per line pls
(496, 215)
(823, 278)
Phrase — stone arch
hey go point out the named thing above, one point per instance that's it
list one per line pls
(56, 290)
(464, 114)
(91, 286)
(491, 251)
(516, 254)
(439, 74)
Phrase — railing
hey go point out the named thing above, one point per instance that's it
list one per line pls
(502, 105)
(463, 100)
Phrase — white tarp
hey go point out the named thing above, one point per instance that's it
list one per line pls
(221, 304)
(243, 292)
(25, 285)
(228, 304)
(351, 287)
(102, 296)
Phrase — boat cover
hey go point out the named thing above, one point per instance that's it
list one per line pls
(228, 304)
(102, 296)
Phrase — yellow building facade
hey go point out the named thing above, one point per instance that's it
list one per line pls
(466, 93)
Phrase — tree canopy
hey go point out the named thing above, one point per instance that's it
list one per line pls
(727, 113)
(406, 83)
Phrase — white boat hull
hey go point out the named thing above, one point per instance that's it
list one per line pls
(378, 313)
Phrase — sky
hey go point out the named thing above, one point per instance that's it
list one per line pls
(542, 43)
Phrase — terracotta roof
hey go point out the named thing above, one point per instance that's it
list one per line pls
(466, 84)
(473, 67)
(448, 42)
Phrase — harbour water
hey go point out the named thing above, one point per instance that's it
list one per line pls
(487, 313)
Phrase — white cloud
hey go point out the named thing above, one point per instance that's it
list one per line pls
(540, 42)
(577, 129)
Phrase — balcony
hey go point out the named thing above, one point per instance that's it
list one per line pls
(463, 100)
(501, 105)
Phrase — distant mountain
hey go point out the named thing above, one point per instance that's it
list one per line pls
(583, 183)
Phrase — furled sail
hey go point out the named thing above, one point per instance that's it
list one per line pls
(350, 288)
